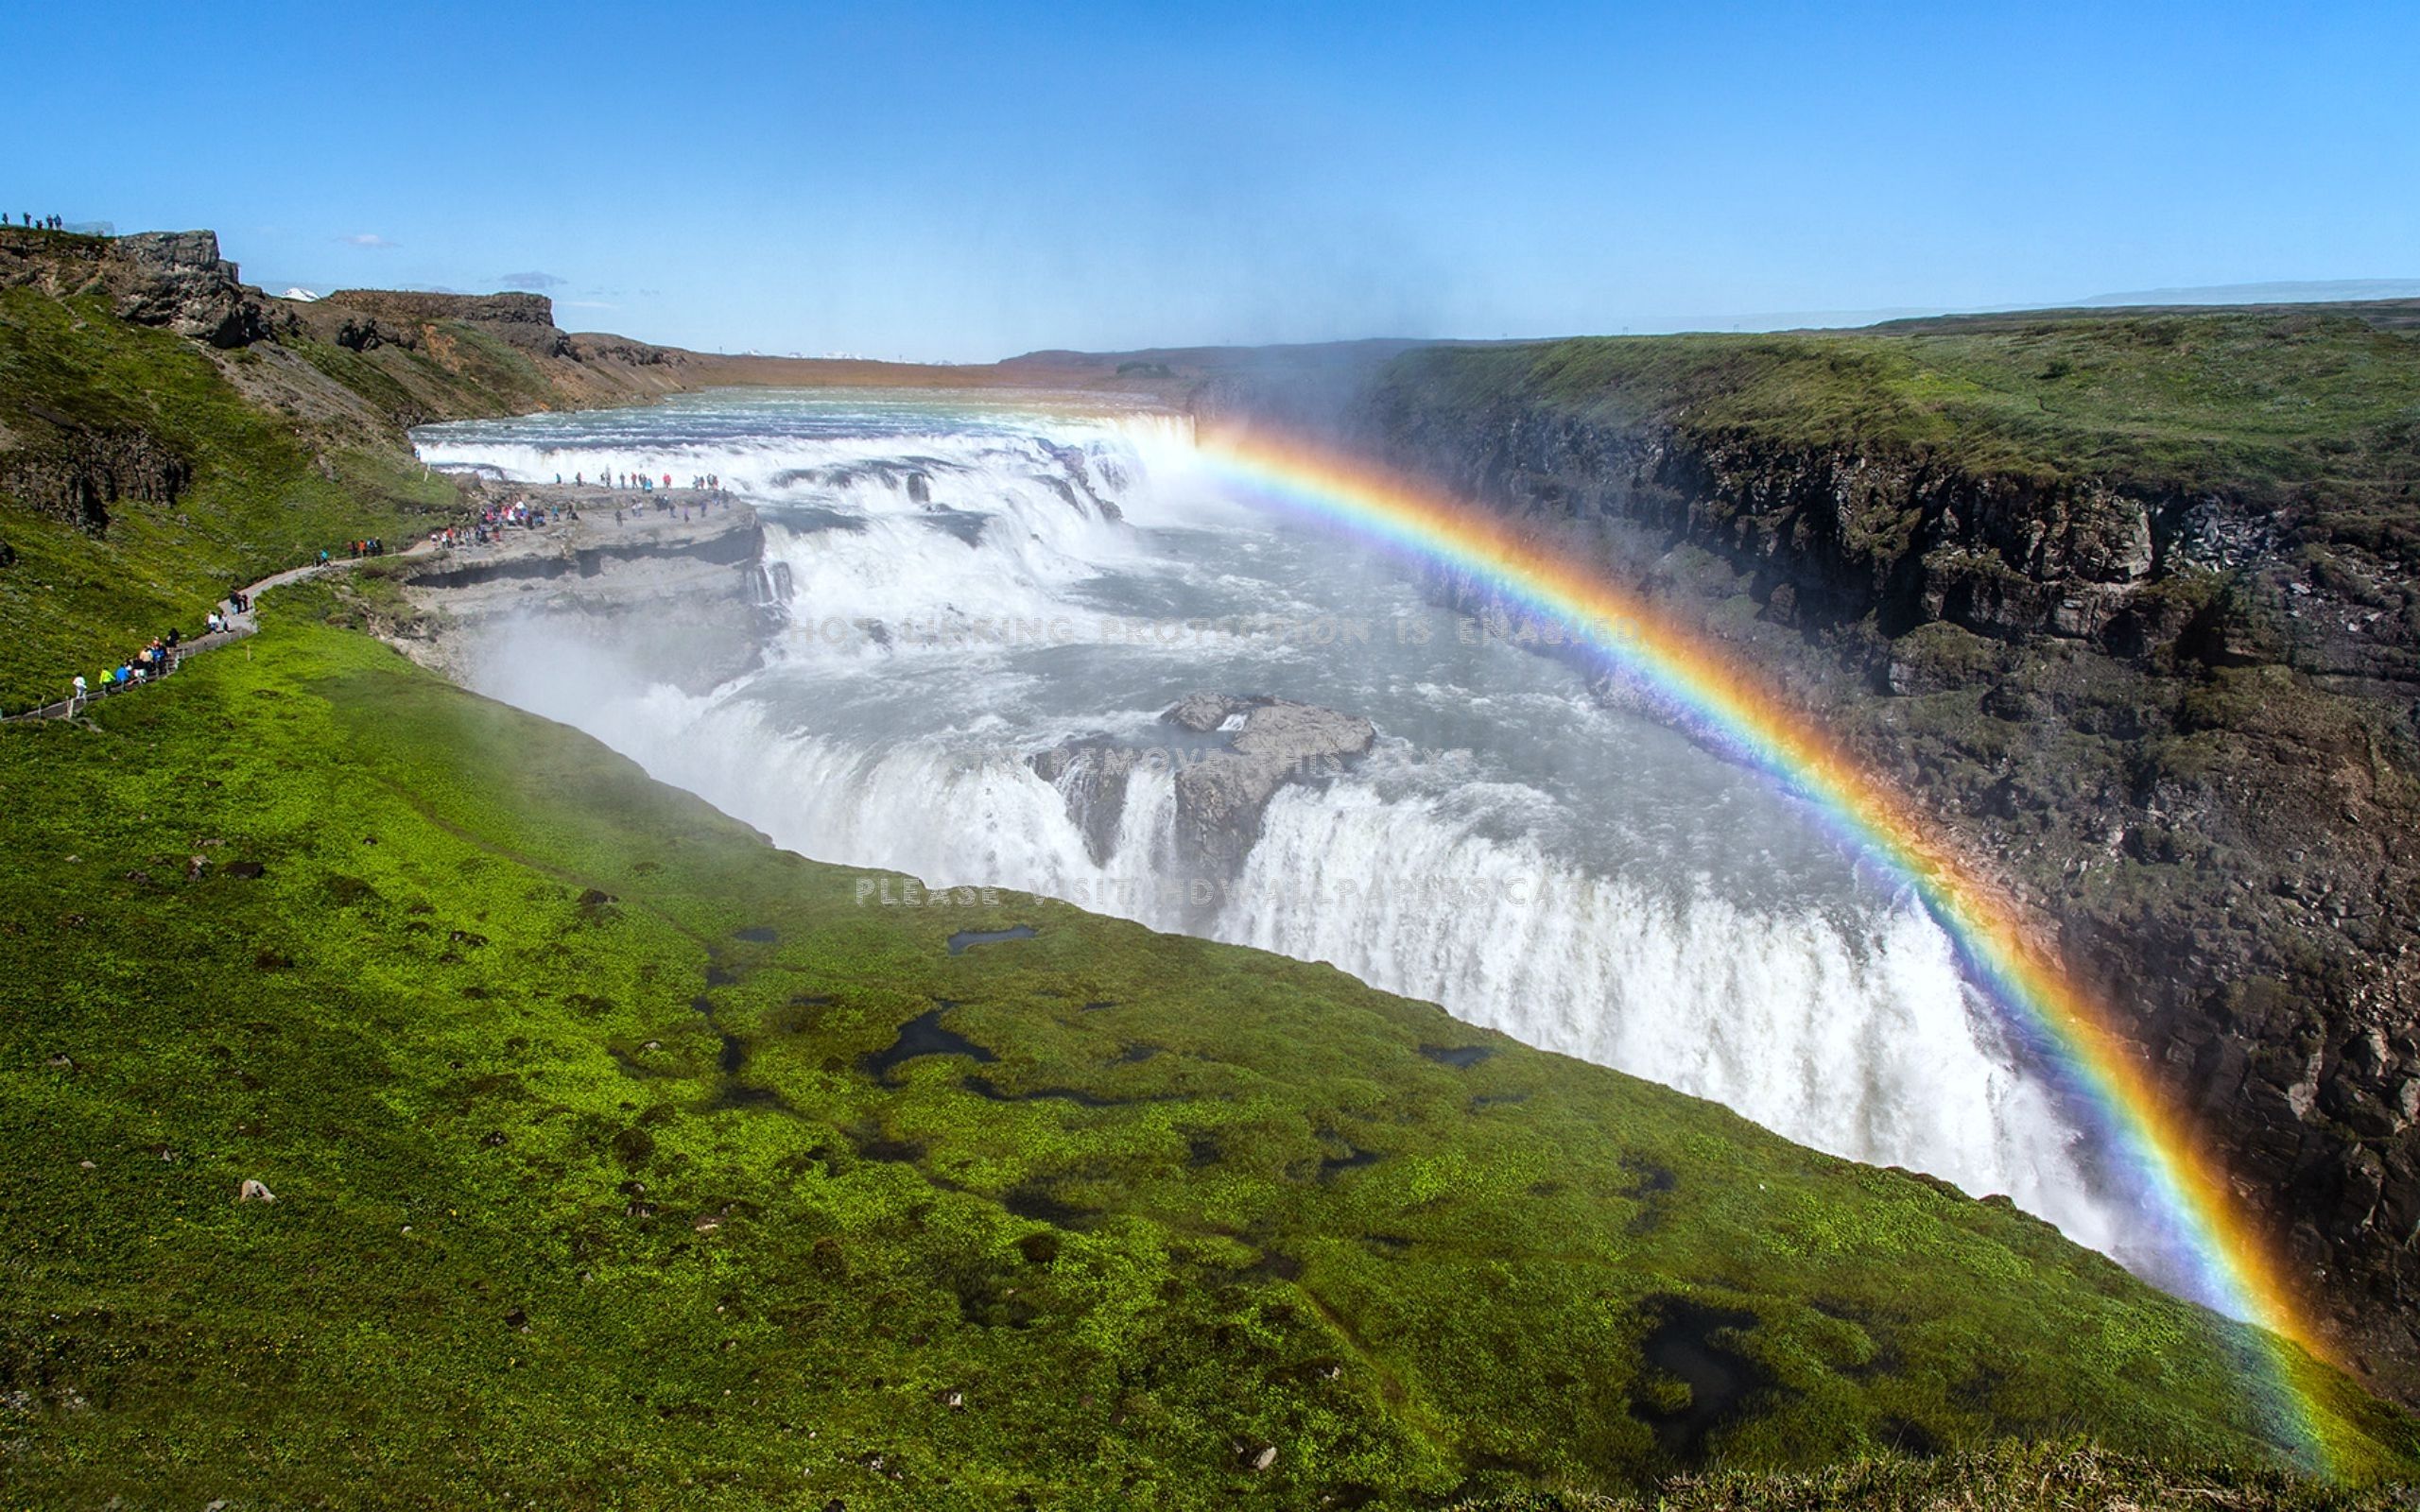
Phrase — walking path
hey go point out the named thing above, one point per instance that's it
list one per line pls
(239, 626)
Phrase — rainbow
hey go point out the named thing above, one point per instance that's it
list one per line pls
(2227, 1265)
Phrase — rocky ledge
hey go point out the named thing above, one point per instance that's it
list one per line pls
(689, 602)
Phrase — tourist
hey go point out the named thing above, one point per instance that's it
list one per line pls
(76, 699)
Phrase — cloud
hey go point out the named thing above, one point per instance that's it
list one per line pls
(368, 238)
(532, 281)
(587, 304)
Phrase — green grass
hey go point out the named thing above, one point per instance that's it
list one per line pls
(2312, 407)
(493, 982)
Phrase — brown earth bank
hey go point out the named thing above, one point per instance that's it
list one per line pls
(2175, 711)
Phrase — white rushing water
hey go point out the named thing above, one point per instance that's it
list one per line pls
(973, 583)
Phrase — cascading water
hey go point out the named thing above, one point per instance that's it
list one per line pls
(971, 584)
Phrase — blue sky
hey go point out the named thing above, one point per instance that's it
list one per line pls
(962, 181)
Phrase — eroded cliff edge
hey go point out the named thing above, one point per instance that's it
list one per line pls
(2129, 601)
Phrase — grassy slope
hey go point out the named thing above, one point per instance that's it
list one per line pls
(259, 500)
(2315, 406)
(1147, 1246)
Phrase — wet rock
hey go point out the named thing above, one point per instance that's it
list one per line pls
(1222, 785)
(1219, 799)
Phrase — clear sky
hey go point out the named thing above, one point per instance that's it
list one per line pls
(962, 181)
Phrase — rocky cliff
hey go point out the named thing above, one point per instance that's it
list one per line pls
(2176, 711)
(175, 279)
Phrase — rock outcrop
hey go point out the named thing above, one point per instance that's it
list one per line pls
(80, 472)
(1234, 755)
(680, 602)
(376, 316)
(175, 280)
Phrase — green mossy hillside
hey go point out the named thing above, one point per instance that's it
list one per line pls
(622, 1159)
(260, 492)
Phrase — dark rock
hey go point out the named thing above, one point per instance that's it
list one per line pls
(1221, 785)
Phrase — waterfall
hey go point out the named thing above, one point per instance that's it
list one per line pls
(963, 590)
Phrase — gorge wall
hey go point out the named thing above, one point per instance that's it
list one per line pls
(2179, 720)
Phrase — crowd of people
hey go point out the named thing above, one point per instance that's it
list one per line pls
(645, 482)
(45, 223)
(518, 514)
(149, 665)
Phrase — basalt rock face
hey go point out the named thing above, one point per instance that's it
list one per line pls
(2182, 731)
(175, 280)
(85, 471)
(1269, 742)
